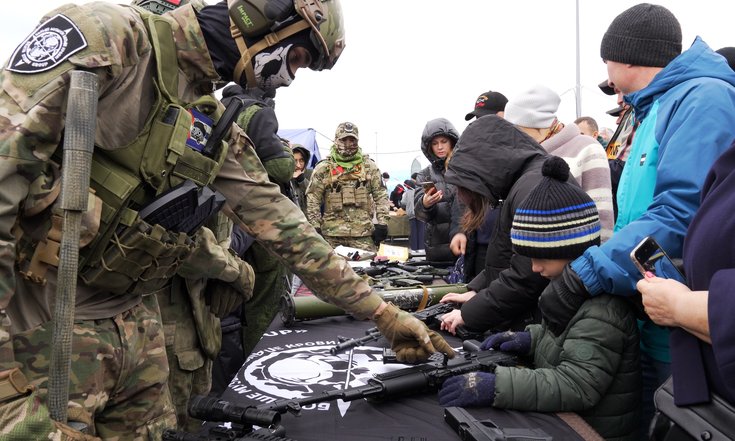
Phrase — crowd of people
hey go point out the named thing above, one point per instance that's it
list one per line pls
(543, 213)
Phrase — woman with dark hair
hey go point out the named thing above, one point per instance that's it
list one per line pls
(496, 165)
(433, 204)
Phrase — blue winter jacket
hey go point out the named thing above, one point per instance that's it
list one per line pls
(687, 116)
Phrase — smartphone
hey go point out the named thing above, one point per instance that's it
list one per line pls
(648, 256)
(428, 185)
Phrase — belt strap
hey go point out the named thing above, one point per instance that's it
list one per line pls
(13, 384)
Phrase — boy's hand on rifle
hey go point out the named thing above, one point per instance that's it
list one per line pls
(411, 340)
(509, 341)
(473, 389)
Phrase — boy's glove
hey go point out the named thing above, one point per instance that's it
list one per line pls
(380, 233)
(561, 299)
(409, 337)
(474, 389)
(509, 341)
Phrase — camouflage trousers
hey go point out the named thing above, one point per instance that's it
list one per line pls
(118, 372)
(190, 369)
(270, 284)
(362, 242)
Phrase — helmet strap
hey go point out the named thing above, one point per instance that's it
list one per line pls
(246, 54)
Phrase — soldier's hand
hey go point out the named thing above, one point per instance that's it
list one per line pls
(24, 416)
(410, 339)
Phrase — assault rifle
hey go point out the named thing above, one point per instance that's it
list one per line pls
(412, 380)
(430, 316)
(225, 434)
(470, 428)
(397, 274)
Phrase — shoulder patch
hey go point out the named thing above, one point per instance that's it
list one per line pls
(49, 45)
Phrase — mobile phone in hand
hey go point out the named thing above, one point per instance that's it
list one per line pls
(428, 185)
(648, 256)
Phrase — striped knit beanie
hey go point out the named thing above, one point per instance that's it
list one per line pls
(557, 220)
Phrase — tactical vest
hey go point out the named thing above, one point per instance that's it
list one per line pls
(126, 254)
(347, 189)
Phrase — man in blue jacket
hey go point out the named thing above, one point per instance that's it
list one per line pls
(685, 103)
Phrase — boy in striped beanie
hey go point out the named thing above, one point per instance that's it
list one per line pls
(591, 367)
(556, 222)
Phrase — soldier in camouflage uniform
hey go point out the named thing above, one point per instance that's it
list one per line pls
(156, 74)
(347, 183)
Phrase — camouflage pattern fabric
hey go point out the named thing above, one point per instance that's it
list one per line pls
(29, 419)
(364, 243)
(349, 220)
(117, 48)
(118, 371)
(270, 285)
(190, 371)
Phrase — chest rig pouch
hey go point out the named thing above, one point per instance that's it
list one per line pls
(347, 189)
(132, 253)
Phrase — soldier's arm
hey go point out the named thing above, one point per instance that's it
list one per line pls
(380, 196)
(315, 196)
(259, 208)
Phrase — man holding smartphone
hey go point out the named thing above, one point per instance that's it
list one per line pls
(672, 151)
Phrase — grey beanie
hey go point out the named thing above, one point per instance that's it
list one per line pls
(643, 35)
(535, 108)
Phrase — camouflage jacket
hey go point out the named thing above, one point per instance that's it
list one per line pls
(117, 48)
(345, 214)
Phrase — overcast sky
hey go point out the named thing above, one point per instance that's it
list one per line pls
(409, 61)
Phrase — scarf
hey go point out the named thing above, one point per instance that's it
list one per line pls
(347, 164)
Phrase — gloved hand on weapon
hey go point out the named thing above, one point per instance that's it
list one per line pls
(409, 337)
(561, 299)
(380, 233)
(509, 341)
(468, 390)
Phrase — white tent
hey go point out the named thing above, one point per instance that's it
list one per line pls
(305, 137)
(419, 163)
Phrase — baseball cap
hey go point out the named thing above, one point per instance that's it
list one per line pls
(616, 111)
(606, 89)
(346, 129)
(489, 103)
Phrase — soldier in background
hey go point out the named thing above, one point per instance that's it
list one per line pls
(344, 183)
(155, 74)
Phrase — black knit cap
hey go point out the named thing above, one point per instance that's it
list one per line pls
(557, 220)
(643, 35)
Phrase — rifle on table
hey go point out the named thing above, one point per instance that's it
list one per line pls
(301, 308)
(225, 434)
(426, 315)
(412, 380)
(430, 316)
(470, 428)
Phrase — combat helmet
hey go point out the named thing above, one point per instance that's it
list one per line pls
(275, 20)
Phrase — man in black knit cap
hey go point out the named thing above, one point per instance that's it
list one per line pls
(684, 103)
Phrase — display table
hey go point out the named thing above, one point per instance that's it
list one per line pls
(295, 362)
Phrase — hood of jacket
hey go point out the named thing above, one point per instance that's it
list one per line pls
(436, 127)
(490, 156)
(698, 61)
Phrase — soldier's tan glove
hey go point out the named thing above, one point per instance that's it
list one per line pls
(411, 340)
(23, 416)
(225, 297)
